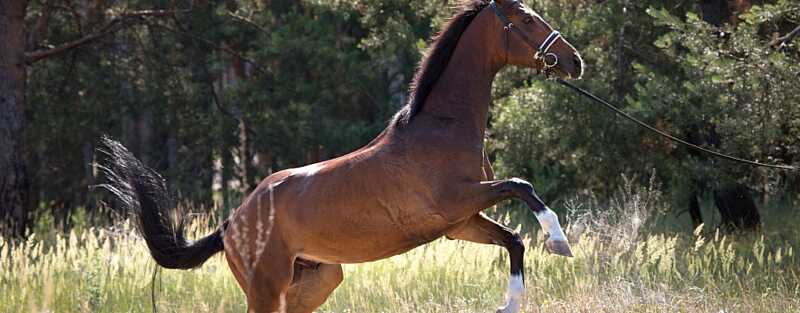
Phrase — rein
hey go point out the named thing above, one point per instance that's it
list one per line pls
(665, 134)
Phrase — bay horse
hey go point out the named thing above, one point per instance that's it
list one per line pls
(425, 176)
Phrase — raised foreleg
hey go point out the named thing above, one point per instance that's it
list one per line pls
(481, 229)
(469, 199)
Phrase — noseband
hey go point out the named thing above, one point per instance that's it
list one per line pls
(542, 52)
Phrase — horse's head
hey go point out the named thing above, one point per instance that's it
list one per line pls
(531, 42)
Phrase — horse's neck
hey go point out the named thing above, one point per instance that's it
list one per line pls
(463, 91)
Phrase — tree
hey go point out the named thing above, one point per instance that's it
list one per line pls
(13, 182)
(735, 203)
(220, 94)
(738, 85)
(327, 74)
(679, 74)
(21, 49)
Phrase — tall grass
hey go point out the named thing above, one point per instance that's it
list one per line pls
(618, 267)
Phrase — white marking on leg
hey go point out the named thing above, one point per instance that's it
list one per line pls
(516, 287)
(549, 221)
(516, 290)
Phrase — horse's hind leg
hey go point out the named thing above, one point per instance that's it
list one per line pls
(264, 273)
(270, 276)
(311, 286)
(481, 229)
(237, 270)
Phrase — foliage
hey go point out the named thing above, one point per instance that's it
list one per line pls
(225, 93)
(725, 88)
(733, 80)
(220, 96)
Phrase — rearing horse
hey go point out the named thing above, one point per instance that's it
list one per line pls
(425, 176)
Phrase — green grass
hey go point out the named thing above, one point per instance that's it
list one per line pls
(619, 266)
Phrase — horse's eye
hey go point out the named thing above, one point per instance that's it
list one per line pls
(528, 20)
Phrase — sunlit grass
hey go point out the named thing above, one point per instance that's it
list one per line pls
(110, 271)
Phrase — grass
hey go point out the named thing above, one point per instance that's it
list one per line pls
(109, 270)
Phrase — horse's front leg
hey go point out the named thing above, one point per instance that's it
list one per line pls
(472, 198)
(481, 229)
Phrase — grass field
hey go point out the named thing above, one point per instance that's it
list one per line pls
(621, 270)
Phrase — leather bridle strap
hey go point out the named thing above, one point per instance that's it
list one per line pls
(506, 23)
(542, 52)
(548, 42)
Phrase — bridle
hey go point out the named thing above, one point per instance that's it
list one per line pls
(542, 52)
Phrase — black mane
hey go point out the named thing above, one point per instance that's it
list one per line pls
(436, 58)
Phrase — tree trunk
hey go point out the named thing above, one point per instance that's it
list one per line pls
(735, 202)
(694, 210)
(620, 84)
(702, 133)
(244, 156)
(13, 182)
(737, 208)
(227, 176)
(245, 153)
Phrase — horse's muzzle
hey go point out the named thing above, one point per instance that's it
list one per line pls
(573, 67)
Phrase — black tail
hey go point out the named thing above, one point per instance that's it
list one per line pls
(141, 190)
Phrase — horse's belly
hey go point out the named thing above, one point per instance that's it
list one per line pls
(350, 239)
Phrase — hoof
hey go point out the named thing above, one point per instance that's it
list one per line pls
(512, 306)
(560, 247)
(508, 309)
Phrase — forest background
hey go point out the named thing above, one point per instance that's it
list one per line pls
(216, 95)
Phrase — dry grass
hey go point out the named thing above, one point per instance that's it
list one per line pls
(109, 270)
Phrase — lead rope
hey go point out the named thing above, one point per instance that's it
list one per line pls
(665, 134)
(507, 25)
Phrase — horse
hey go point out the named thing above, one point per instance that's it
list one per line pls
(425, 176)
